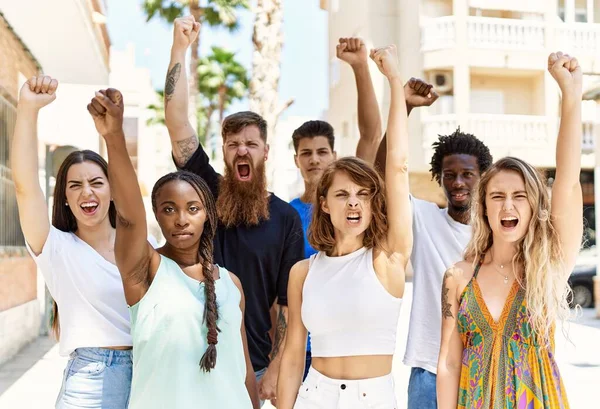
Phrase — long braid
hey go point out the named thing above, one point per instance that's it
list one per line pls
(206, 247)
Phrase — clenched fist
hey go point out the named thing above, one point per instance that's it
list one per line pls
(352, 50)
(185, 32)
(38, 92)
(566, 71)
(419, 93)
(386, 59)
(106, 108)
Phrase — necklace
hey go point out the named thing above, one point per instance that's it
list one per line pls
(501, 272)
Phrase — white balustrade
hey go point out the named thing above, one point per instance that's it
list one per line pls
(582, 37)
(494, 33)
(505, 132)
(438, 33)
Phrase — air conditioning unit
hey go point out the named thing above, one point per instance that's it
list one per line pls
(442, 81)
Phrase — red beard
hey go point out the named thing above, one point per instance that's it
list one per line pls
(243, 203)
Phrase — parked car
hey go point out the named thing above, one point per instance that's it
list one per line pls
(582, 279)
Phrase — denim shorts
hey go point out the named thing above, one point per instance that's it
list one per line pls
(422, 389)
(96, 378)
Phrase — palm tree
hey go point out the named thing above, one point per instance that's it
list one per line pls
(266, 64)
(215, 13)
(221, 81)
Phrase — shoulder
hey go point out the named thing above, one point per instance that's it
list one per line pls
(281, 207)
(423, 205)
(458, 276)
(235, 280)
(299, 271)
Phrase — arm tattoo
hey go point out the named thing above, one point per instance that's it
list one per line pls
(446, 306)
(186, 149)
(279, 333)
(171, 81)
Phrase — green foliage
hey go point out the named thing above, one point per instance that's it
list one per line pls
(215, 13)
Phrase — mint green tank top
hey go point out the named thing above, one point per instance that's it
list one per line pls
(169, 339)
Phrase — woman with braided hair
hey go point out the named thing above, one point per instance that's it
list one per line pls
(187, 326)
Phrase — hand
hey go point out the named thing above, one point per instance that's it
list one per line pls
(418, 93)
(185, 32)
(38, 92)
(106, 109)
(386, 59)
(352, 50)
(267, 386)
(567, 73)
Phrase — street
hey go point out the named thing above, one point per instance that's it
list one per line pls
(32, 379)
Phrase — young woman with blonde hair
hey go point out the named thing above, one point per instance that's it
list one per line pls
(500, 305)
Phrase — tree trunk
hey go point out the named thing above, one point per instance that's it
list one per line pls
(266, 66)
(197, 12)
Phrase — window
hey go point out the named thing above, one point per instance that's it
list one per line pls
(10, 228)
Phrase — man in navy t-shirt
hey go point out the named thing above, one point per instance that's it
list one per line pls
(259, 236)
(313, 143)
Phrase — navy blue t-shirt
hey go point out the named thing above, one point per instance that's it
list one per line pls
(261, 256)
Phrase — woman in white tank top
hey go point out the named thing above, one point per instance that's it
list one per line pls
(349, 294)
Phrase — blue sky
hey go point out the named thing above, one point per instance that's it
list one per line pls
(304, 60)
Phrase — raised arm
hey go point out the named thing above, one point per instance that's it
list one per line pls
(293, 359)
(33, 212)
(184, 140)
(417, 93)
(567, 200)
(132, 250)
(354, 52)
(451, 347)
(399, 238)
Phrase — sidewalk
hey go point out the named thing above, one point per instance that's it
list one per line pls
(32, 379)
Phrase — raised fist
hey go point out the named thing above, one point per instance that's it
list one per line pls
(386, 59)
(566, 71)
(419, 93)
(106, 109)
(38, 92)
(352, 50)
(185, 32)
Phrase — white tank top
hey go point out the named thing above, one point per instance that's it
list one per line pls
(346, 309)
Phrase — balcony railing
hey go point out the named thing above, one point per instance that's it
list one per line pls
(505, 133)
(510, 34)
(505, 33)
(581, 37)
(438, 33)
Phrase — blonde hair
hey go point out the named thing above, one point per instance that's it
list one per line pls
(539, 251)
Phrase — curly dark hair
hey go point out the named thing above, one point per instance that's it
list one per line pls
(458, 143)
(211, 313)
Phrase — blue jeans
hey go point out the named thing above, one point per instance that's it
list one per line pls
(421, 389)
(96, 378)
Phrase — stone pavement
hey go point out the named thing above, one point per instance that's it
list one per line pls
(32, 379)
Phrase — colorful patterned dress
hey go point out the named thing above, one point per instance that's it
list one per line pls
(503, 367)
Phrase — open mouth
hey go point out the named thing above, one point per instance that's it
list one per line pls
(89, 208)
(353, 218)
(509, 222)
(243, 171)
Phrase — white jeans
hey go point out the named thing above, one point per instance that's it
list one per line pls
(321, 392)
